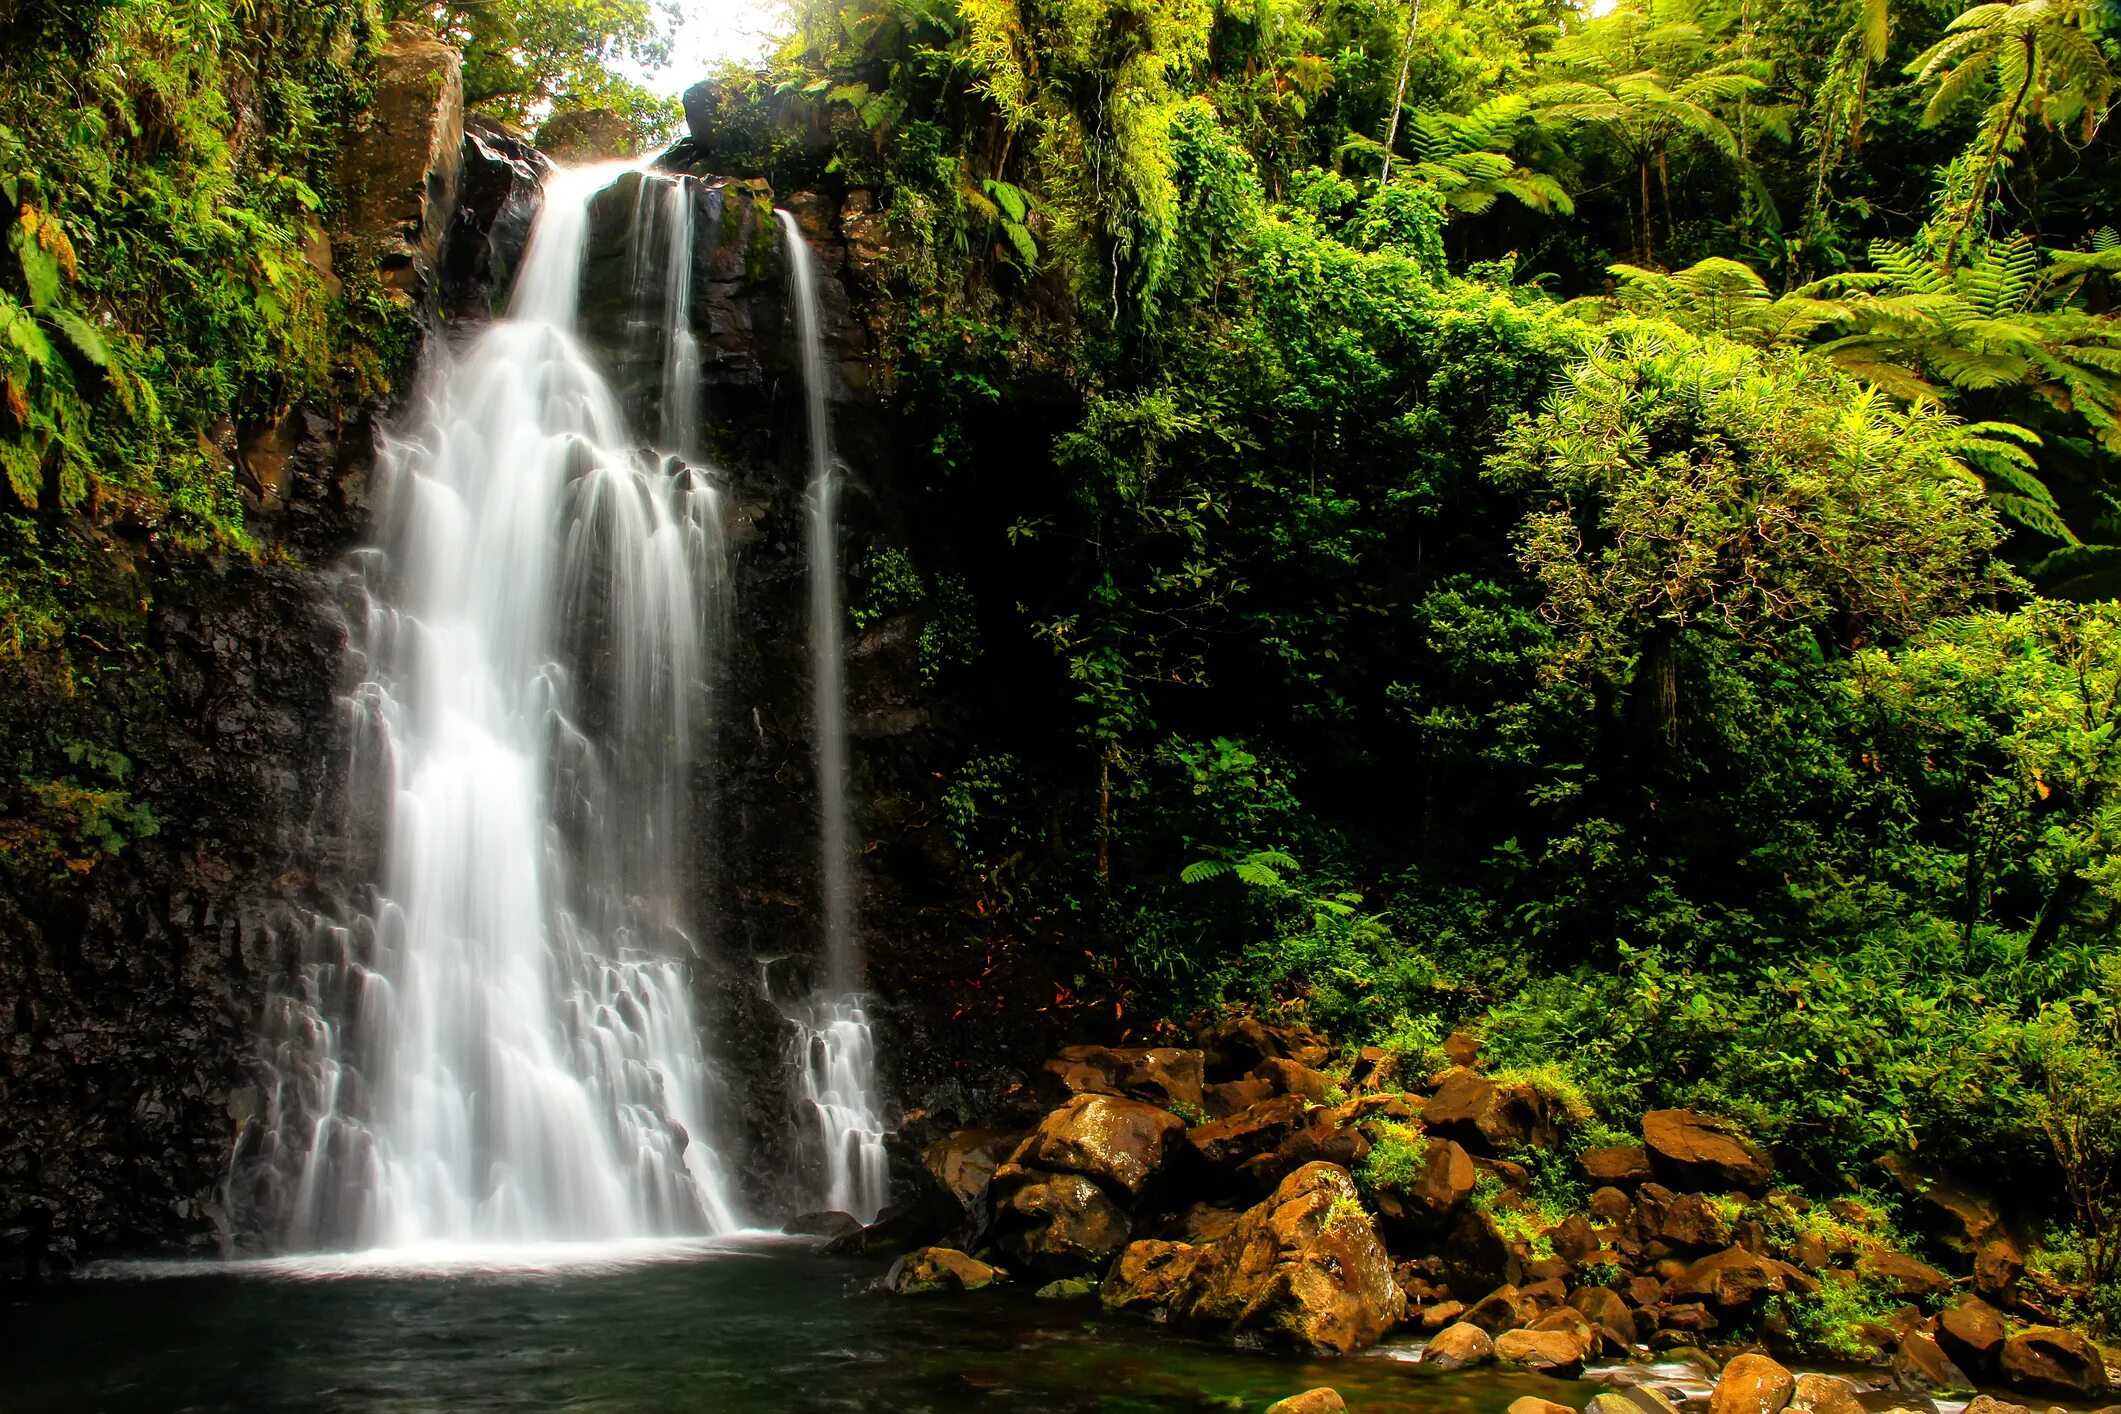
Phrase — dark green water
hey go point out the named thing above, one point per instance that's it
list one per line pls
(762, 1328)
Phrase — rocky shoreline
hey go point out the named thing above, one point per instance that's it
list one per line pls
(1251, 1187)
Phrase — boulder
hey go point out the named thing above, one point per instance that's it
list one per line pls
(1427, 1203)
(1958, 1213)
(1488, 1118)
(1304, 1266)
(1826, 1394)
(1121, 1143)
(1752, 1384)
(585, 135)
(1559, 1353)
(1692, 1150)
(1231, 1096)
(1900, 1274)
(1971, 1332)
(828, 1225)
(1161, 1075)
(2050, 1360)
(1319, 1141)
(1235, 1045)
(1612, 1402)
(1294, 1078)
(1690, 1318)
(918, 1219)
(1998, 1266)
(1060, 1224)
(1616, 1165)
(1476, 1254)
(1066, 1289)
(1676, 1224)
(1573, 1238)
(1202, 1223)
(399, 171)
(1731, 1280)
(1608, 1315)
(1147, 1274)
(1533, 1404)
(498, 194)
(1312, 1401)
(1458, 1347)
(1920, 1365)
(931, 1269)
(1989, 1404)
(1611, 1205)
(1648, 1400)
(965, 1162)
(1227, 1143)
(1505, 1308)
(1443, 1313)
(1644, 1291)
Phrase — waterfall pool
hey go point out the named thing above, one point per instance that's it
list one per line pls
(723, 1327)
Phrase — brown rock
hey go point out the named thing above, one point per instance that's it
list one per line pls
(1731, 1280)
(1645, 1291)
(1827, 1394)
(1558, 1353)
(1458, 1347)
(1957, 1212)
(1668, 1223)
(1488, 1118)
(1060, 1224)
(1160, 1075)
(1989, 1404)
(930, 1269)
(1809, 1250)
(1692, 1150)
(1445, 1182)
(1292, 1078)
(1692, 1317)
(1901, 1274)
(1147, 1274)
(1504, 1308)
(398, 174)
(1971, 1332)
(1233, 1046)
(1611, 1205)
(1312, 1401)
(1920, 1364)
(1304, 1265)
(1533, 1404)
(1476, 1256)
(1616, 1165)
(1572, 1238)
(965, 1162)
(1232, 1096)
(1608, 1315)
(1461, 1048)
(1319, 1141)
(1443, 1313)
(1997, 1268)
(2050, 1360)
(1227, 1143)
(1752, 1384)
(1202, 1223)
(1121, 1143)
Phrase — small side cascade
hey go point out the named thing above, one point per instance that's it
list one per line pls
(836, 1049)
(502, 1047)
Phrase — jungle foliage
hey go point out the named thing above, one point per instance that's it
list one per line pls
(1595, 527)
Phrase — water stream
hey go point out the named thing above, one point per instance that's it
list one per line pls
(502, 1047)
(836, 1050)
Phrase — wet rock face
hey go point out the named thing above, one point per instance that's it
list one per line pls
(400, 171)
(497, 200)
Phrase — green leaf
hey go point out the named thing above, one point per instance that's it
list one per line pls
(82, 335)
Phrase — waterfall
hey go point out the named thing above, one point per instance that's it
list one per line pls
(502, 1047)
(836, 1049)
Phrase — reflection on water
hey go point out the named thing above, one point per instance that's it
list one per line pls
(751, 1327)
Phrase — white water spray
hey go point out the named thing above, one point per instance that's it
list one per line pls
(838, 1051)
(504, 1049)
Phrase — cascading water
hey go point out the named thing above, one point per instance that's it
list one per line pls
(503, 1049)
(837, 1051)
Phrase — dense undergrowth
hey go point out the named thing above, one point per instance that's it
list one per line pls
(1697, 677)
